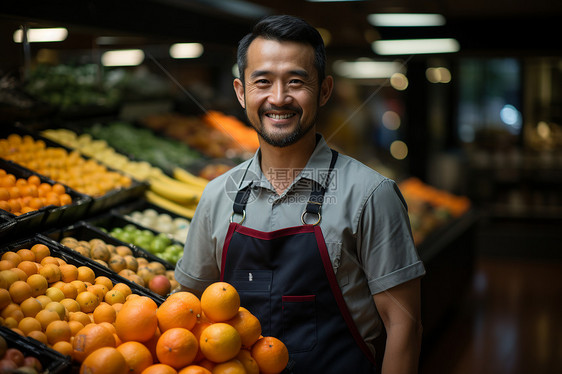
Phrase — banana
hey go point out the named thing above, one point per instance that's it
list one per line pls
(185, 176)
(174, 190)
(169, 205)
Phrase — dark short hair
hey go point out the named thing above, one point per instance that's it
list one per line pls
(284, 28)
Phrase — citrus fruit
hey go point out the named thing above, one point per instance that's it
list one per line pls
(220, 342)
(271, 355)
(137, 356)
(137, 319)
(90, 338)
(220, 301)
(105, 360)
(247, 325)
(179, 310)
(176, 347)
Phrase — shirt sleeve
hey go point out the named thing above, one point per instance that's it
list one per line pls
(198, 268)
(386, 247)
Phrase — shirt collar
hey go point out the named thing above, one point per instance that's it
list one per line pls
(316, 168)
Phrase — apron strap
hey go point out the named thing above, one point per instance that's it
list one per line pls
(316, 198)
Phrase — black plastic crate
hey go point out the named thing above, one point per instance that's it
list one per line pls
(51, 361)
(97, 204)
(111, 220)
(74, 258)
(7, 222)
(51, 215)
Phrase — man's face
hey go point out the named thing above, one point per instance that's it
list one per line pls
(281, 93)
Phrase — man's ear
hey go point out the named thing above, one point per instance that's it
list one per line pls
(326, 89)
(239, 90)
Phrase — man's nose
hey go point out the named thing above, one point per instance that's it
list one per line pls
(279, 95)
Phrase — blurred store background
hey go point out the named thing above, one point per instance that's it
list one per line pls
(469, 124)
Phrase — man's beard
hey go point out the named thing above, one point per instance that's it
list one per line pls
(284, 140)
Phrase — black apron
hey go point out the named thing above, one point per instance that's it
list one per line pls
(285, 278)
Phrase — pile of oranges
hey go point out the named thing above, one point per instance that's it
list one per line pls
(24, 195)
(106, 328)
(86, 176)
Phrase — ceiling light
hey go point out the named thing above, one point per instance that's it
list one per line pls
(415, 46)
(186, 50)
(124, 57)
(56, 34)
(406, 19)
(367, 69)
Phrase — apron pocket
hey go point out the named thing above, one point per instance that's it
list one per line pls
(254, 288)
(299, 323)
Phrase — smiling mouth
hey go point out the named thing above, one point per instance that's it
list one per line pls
(280, 116)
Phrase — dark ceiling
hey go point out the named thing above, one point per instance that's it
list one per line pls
(498, 27)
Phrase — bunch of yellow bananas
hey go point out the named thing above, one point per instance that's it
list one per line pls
(179, 194)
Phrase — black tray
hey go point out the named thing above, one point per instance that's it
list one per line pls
(51, 361)
(111, 220)
(74, 258)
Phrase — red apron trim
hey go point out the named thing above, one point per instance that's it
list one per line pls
(274, 234)
(230, 232)
(336, 291)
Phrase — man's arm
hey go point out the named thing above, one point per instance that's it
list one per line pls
(399, 308)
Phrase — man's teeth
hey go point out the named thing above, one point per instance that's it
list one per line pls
(280, 116)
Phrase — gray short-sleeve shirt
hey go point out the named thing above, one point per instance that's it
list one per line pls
(364, 222)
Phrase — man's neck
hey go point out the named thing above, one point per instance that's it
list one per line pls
(281, 165)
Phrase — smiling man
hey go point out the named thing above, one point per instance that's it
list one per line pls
(317, 244)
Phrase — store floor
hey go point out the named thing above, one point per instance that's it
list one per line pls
(509, 322)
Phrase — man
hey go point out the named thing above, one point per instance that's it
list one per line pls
(318, 245)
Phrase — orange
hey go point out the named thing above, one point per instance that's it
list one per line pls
(104, 313)
(207, 364)
(151, 343)
(124, 288)
(80, 317)
(58, 331)
(28, 267)
(41, 251)
(179, 310)
(79, 285)
(20, 273)
(137, 319)
(71, 305)
(30, 307)
(26, 254)
(45, 317)
(106, 360)
(109, 326)
(88, 301)
(38, 284)
(194, 369)
(58, 188)
(19, 291)
(86, 274)
(230, 367)
(6, 265)
(69, 291)
(54, 293)
(34, 180)
(108, 283)
(44, 300)
(57, 307)
(247, 325)
(68, 273)
(220, 301)
(11, 323)
(75, 326)
(114, 297)
(159, 369)
(49, 260)
(97, 289)
(39, 336)
(5, 298)
(13, 257)
(220, 342)
(63, 347)
(271, 355)
(51, 272)
(90, 338)
(176, 347)
(251, 366)
(137, 356)
(28, 324)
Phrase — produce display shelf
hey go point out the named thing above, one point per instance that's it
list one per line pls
(111, 220)
(48, 216)
(74, 258)
(97, 204)
(84, 231)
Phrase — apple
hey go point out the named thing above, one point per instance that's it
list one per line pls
(160, 284)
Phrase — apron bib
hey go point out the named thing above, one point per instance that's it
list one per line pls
(285, 278)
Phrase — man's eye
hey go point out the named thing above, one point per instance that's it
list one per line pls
(262, 81)
(295, 81)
